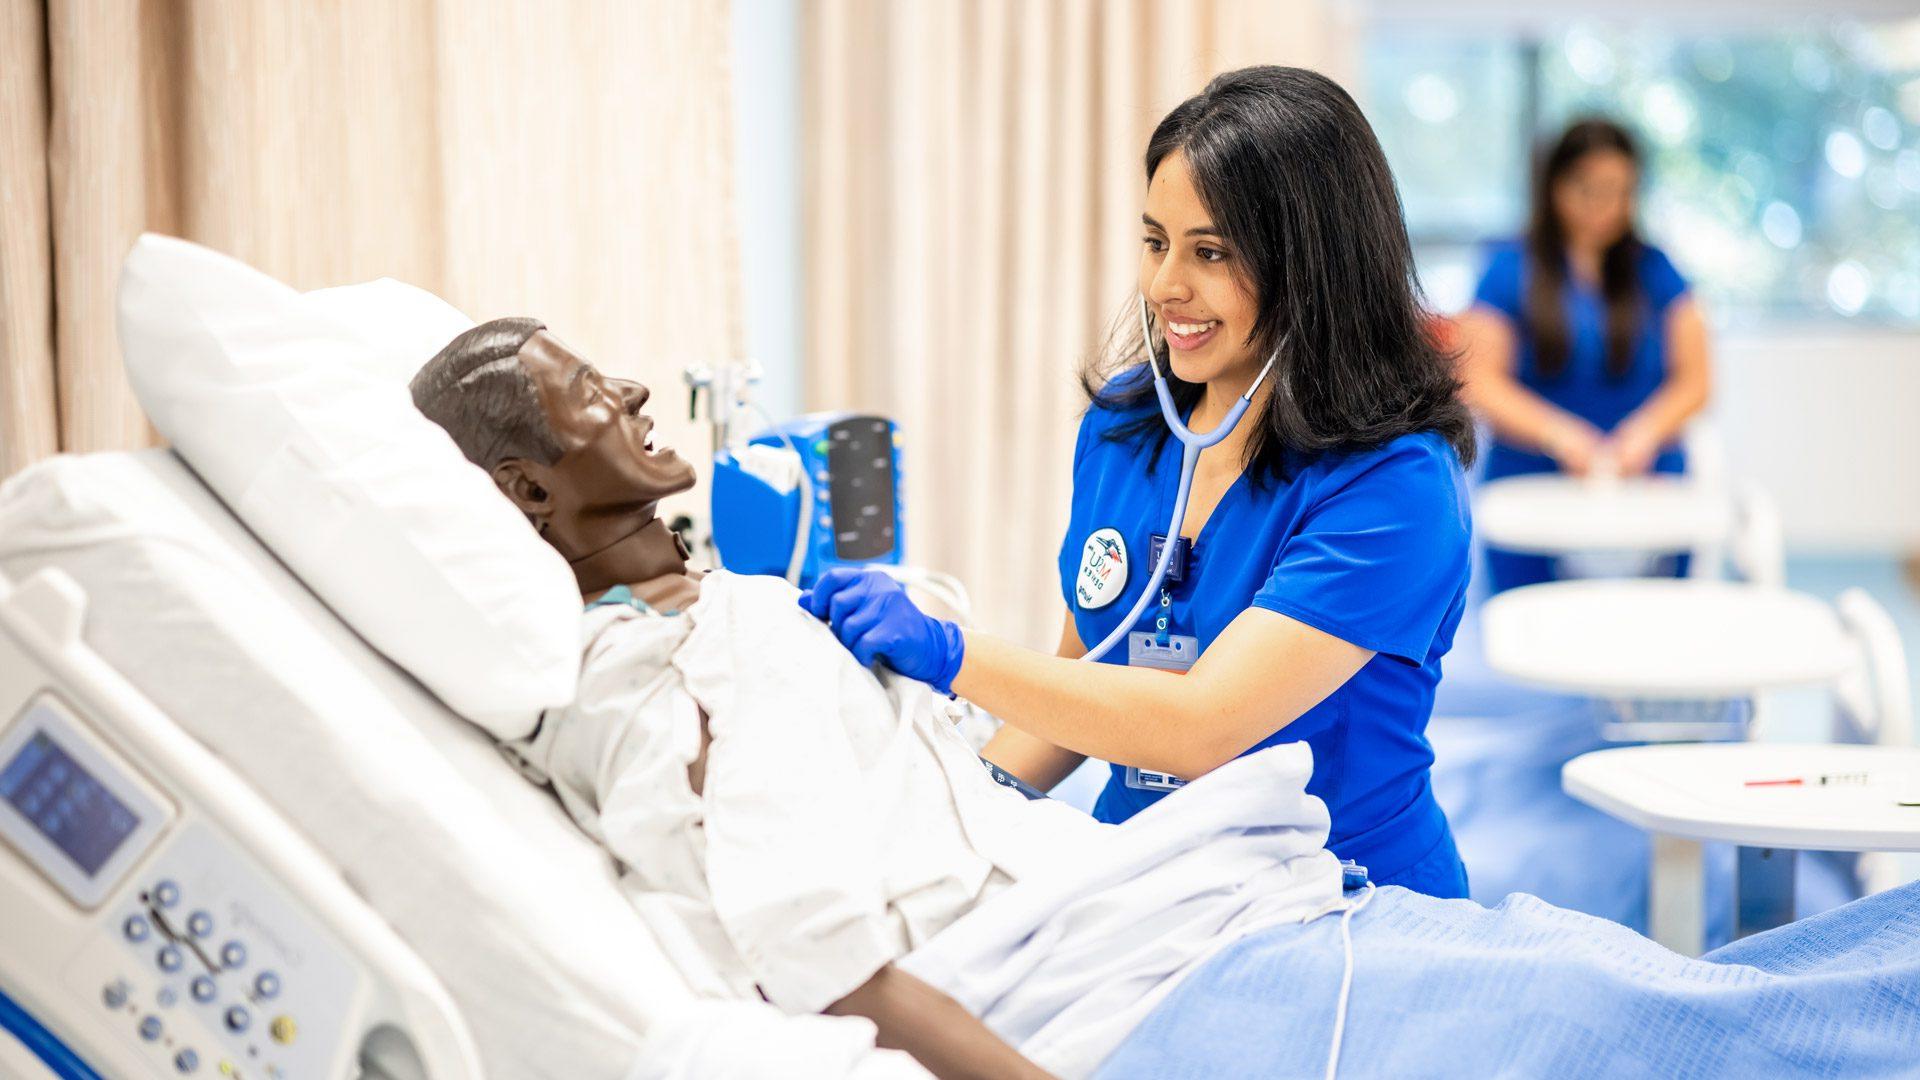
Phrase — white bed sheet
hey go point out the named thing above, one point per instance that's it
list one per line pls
(479, 871)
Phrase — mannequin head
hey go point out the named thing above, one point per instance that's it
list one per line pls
(569, 446)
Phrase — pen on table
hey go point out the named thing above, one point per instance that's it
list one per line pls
(1823, 780)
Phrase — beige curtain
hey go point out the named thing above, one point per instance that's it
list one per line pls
(974, 180)
(567, 161)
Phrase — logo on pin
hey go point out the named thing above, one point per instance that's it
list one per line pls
(1103, 569)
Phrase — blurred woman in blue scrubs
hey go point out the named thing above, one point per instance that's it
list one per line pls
(1323, 563)
(1584, 349)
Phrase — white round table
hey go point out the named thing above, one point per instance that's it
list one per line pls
(1554, 514)
(1684, 795)
(1662, 638)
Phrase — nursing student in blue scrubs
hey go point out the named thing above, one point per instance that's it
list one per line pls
(1326, 540)
(1584, 348)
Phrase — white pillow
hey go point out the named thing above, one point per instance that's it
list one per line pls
(279, 410)
(403, 325)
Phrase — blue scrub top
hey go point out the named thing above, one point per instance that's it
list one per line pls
(1369, 546)
(1583, 387)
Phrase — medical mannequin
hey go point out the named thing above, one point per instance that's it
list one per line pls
(583, 468)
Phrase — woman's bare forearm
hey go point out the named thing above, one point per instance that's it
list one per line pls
(947, 1040)
(1689, 379)
(1137, 716)
(1488, 364)
(1260, 674)
(1028, 756)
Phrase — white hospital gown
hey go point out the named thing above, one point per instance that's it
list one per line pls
(841, 823)
(844, 823)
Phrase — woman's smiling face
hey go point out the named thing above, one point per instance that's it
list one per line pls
(1198, 294)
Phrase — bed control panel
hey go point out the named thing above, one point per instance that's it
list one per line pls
(215, 973)
(151, 920)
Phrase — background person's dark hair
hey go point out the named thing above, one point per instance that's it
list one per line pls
(1296, 183)
(477, 389)
(1545, 303)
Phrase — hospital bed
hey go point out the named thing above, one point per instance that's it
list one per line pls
(395, 900)
(142, 624)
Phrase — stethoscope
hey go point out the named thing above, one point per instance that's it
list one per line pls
(1191, 445)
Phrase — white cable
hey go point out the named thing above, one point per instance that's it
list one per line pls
(941, 586)
(1346, 982)
(803, 528)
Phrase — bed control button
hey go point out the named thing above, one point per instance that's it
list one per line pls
(186, 1061)
(136, 928)
(115, 994)
(238, 1018)
(202, 988)
(166, 894)
(267, 985)
(233, 954)
(199, 924)
(282, 1029)
(150, 1028)
(169, 958)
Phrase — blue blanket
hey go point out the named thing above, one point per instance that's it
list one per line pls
(1525, 989)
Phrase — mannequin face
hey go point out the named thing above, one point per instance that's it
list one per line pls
(1191, 280)
(610, 478)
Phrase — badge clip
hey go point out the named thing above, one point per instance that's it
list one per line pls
(1176, 566)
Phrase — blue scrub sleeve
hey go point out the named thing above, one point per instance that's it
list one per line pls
(1379, 561)
(1660, 279)
(1499, 286)
(1093, 419)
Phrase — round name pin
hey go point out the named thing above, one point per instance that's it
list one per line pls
(1103, 570)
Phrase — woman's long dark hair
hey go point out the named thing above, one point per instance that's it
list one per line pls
(1295, 181)
(1545, 305)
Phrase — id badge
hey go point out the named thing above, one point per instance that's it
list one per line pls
(1148, 780)
(1177, 655)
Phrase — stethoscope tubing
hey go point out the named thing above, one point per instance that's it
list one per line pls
(1190, 446)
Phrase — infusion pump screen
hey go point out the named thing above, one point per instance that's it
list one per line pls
(860, 459)
(66, 803)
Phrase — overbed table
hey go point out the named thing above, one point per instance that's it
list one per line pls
(1554, 514)
(1635, 641)
(1638, 639)
(1686, 795)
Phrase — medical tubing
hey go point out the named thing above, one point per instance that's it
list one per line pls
(1190, 445)
(1346, 982)
(1189, 457)
(1172, 415)
(941, 586)
(803, 528)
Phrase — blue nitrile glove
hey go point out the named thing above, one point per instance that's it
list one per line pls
(872, 616)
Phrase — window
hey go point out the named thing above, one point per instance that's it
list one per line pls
(1782, 168)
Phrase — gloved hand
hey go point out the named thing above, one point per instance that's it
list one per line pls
(872, 616)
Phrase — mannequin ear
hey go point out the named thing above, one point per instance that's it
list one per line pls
(516, 479)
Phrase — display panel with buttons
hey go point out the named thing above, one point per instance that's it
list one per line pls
(225, 977)
(191, 957)
(78, 816)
